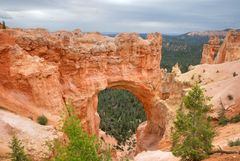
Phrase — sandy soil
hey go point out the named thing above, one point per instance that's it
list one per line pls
(32, 135)
(155, 156)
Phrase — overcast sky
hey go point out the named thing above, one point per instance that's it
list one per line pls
(166, 16)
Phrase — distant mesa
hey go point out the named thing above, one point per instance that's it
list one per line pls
(219, 33)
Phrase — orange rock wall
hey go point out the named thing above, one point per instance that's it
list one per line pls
(210, 50)
(40, 70)
(229, 50)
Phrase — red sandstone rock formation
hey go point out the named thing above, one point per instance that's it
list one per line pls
(213, 53)
(210, 50)
(40, 70)
(230, 49)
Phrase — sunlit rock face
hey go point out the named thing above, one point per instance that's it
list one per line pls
(229, 50)
(210, 50)
(40, 70)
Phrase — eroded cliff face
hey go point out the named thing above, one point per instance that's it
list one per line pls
(229, 50)
(210, 50)
(40, 70)
(29, 85)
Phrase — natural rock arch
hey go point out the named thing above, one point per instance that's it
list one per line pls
(149, 133)
(46, 68)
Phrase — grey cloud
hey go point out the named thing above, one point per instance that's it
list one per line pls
(168, 16)
(4, 15)
(19, 5)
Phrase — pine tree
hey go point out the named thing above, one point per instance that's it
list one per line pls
(193, 135)
(17, 148)
(80, 146)
(4, 25)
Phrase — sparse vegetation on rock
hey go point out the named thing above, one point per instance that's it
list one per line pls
(235, 74)
(18, 153)
(42, 120)
(193, 135)
(230, 97)
(223, 120)
(234, 142)
(192, 78)
(235, 119)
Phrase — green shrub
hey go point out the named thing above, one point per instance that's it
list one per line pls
(80, 146)
(235, 74)
(17, 148)
(234, 143)
(192, 77)
(193, 135)
(230, 97)
(235, 119)
(223, 121)
(42, 120)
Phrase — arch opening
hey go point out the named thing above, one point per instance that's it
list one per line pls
(150, 132)
(121, 113)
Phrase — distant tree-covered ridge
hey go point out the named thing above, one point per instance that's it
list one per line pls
(183, 49)
(120, 113)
